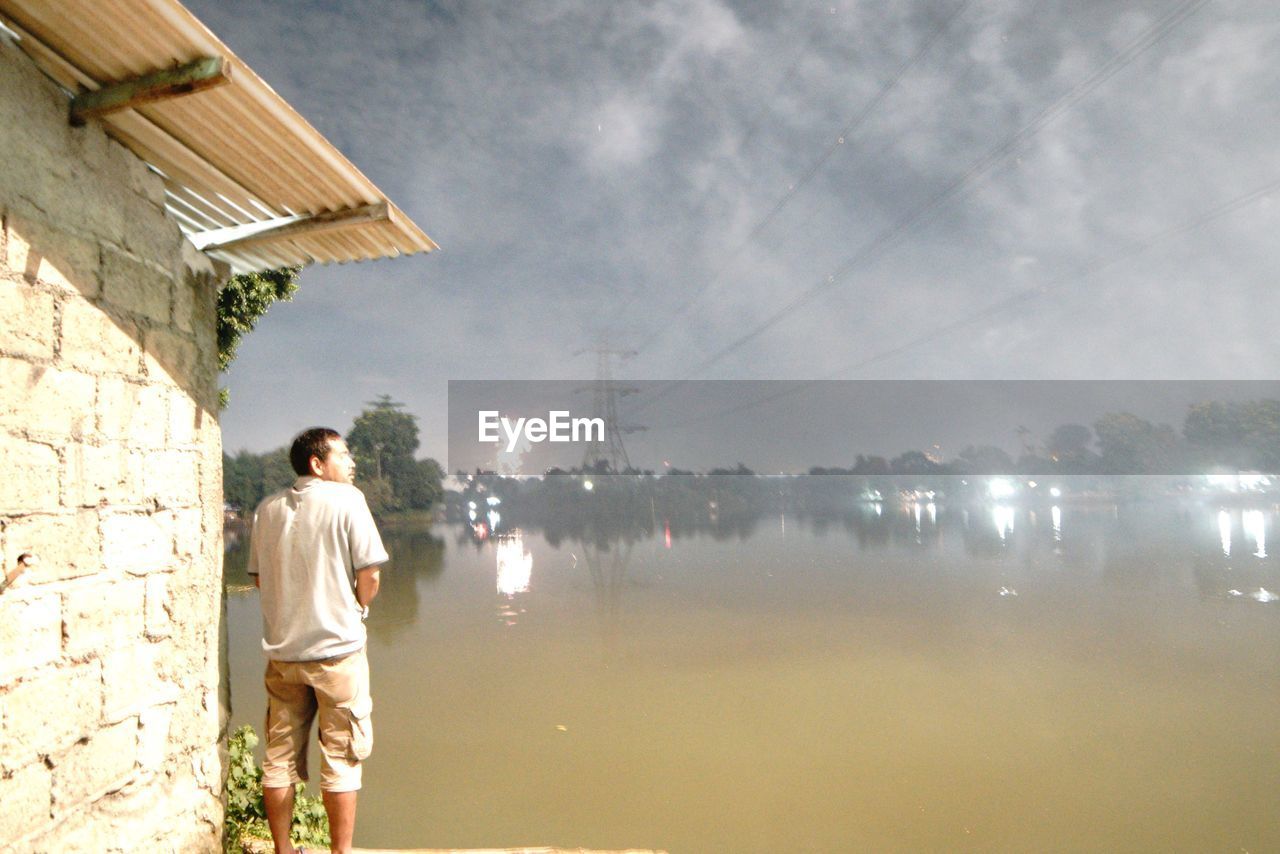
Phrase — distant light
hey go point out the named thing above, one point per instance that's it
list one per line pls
(493, 500)
(999, 487)
(1253, 480)
(1031, 483)
(1055, 492)
(471, 504)
(1222, 481)
(588, 485)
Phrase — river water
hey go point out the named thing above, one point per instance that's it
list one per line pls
(899, 677)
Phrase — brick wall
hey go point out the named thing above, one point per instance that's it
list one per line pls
(111, 712)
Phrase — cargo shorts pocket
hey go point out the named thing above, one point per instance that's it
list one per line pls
(361, 743)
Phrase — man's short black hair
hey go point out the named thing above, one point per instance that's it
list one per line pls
(313, 442)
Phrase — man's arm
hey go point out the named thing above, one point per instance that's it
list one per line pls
(367, 581)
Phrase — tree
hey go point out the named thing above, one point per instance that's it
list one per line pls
(383, 439)
(1133, 445)
(1241, 435)
(426, 487)
(242, 481)
(1068, 446)
(913, 462)
(985, 459)
(870, 465)
(379, 495)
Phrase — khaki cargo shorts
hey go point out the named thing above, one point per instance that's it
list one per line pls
(337, 689)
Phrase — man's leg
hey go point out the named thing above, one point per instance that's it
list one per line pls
(341, 809)
(279, 803)
(291, 706)
(346, 738)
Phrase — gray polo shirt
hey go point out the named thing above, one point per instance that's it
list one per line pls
(307, 541)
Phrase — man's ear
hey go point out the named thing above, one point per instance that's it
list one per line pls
(317, 465)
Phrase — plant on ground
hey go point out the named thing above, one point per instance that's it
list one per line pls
(246, 813)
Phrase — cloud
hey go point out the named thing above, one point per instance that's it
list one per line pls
(589, 166)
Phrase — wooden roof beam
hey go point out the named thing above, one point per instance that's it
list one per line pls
(304, 226)
(204, 73)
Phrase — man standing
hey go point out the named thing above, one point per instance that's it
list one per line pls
(315, 555)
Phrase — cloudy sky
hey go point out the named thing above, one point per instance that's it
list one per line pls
(790, 190)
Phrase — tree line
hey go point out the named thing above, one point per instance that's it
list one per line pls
(383, 439)
(1243, 436)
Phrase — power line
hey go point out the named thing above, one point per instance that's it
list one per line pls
(748, 134)
(884, 239)
(887, 237)
(853, 125)
(1009, 303)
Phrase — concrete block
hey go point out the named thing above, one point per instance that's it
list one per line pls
(188, 534)
(97, 475)
(45, 402)
(30, 100)
(30, 635)
(157, 621)
(153, 736)
(132, 413)
(40, 251)
(67, 544)
(149, 233)
(99, 342)
(30, 478)
(74, 195)
(134, 286)
(170, 478)
(171, 357)
(184, 418)
(186, 294)
(101, 764)
(204, 318)
(101, 617)
(49, 712)
(145, 182)
(26, 321)
(132, 680)
(138, 543)
(194, 726)
(28, 801)
(199, 264)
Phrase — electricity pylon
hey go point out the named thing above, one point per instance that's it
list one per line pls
(605, 393)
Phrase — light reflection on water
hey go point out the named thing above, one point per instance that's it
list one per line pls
(1255, 528)
(852, 681)
(515, 563)
(1003, 517)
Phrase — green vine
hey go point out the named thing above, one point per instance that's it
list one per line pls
(242, 302)
(246, 814)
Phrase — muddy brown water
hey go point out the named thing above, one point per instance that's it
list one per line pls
(893, 678)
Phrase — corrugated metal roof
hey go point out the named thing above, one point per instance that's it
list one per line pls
(236, 159)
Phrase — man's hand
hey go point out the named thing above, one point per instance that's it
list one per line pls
(367, 581)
